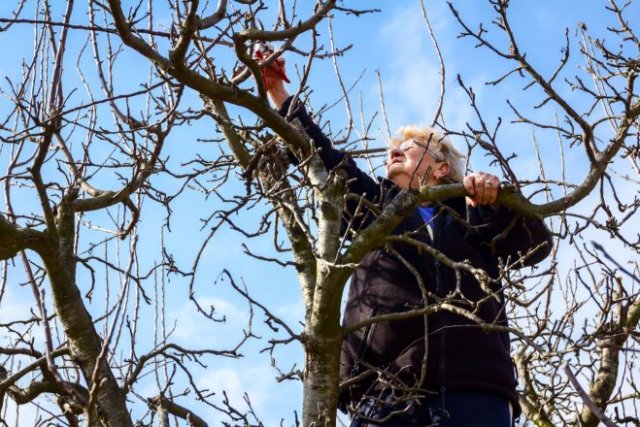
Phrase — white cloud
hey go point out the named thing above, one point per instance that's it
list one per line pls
(195, 329)
(291, 313)
(267, 397)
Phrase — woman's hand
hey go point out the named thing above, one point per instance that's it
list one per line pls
(273, 76)
(482, 188)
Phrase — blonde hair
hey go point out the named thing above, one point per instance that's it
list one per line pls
(438, 145)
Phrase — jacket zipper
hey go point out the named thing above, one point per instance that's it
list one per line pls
(364, 345)
(436, 244)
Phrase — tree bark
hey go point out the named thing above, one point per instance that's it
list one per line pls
(321, 382)
(84, 341)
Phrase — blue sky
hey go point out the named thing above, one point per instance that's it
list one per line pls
(394, 43)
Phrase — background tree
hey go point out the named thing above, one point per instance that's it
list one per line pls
(101, 176)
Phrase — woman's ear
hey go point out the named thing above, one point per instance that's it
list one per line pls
(442, 170)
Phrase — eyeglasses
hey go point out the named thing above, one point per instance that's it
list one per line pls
(412, 143)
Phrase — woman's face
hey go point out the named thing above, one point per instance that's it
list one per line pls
(410, 165)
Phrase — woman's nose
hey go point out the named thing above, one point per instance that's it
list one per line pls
(394, 151)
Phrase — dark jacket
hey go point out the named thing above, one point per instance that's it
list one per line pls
(460, 353)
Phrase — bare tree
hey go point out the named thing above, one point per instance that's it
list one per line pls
(106, 86)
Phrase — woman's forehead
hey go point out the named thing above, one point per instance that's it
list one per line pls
(424, 142)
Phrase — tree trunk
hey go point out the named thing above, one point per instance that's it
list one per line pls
(322, 347)
(84, 342)
(321, 377)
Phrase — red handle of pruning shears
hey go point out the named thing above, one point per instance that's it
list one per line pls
(262, 52)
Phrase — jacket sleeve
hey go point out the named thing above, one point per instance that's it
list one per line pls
(359, 182)
(512, 235)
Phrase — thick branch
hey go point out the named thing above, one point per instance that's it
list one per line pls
(211, 88)
(260, 35)
(178, 411)
(102, 199)
(14, 239)
(37, 388)
(595, 411)
(84, 341)
(39, 363)
(226, 126)
(285, 203)
(187, 29)
(215, 17)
